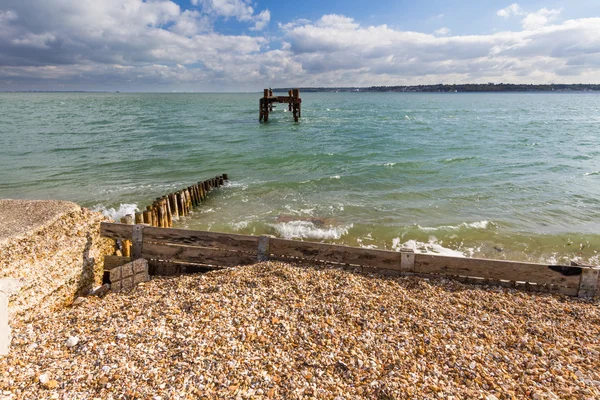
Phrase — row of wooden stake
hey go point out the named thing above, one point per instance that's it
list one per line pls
(165, 209)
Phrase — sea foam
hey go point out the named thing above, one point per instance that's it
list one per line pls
(308, 230)
(116, 214)
(431, 247)
(465, 225)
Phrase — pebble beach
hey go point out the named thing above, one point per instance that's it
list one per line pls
(279, 331)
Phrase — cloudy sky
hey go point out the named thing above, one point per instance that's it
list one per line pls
(240, 45)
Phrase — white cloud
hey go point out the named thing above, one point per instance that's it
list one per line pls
(7, 16)
(442, 31)
(190, 23)
(262, 20)
(532, 20)
(540, 18)
(146, 44)
(238, 9)
(513, 9)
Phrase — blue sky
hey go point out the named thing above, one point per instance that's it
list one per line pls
(231, 45)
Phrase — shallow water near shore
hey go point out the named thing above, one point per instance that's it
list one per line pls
(503, 175)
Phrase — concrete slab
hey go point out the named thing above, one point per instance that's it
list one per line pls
(20, 217)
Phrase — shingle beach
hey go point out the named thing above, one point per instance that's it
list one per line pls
(274, 330)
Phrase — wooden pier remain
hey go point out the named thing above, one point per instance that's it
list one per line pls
(172, 251)
(293, 101)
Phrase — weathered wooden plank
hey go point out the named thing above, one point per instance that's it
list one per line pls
(111, 262)
(169, 268)
(197, 255)
(335, 253)
(223, 241)
(493, 269)
(555, 289)
(116, 231)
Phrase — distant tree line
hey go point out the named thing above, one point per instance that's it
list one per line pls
(471, 87)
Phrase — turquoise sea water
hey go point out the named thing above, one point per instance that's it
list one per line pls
(503, 175)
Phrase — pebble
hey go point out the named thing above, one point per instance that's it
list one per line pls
(44, 378)
(278, 331)
(72, 341)
(79, 300)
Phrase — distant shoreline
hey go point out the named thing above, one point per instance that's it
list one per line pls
(440, 88)
(472, 87)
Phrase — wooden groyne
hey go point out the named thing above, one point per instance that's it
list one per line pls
(165, 209)
(172, 251)
(266, 106)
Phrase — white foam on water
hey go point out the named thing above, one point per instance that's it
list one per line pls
(465, 225)
(302, 211)
(239, 225)
(308, 230)
(431, 247)
(390, 164)
(233, 184)
(592, 173)
(335, 177)
(116, 214)
(366, 246)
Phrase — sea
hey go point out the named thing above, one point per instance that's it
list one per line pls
(495, 175)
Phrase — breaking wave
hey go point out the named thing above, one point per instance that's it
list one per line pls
(308, 230)
(116, 214)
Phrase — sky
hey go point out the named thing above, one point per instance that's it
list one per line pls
(244, 45)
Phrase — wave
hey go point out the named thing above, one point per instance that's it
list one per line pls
(475, 225)
(431, 247)
(457, 159)
(116, 214)
(308, 230)
(592, 173)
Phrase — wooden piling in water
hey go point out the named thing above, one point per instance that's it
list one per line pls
(147, 217)
(166, 208)
(173, 202)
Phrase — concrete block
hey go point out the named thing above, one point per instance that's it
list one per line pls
(8, 287)
(127, 269)
(139, 266)
(115, 274)
(128, 275)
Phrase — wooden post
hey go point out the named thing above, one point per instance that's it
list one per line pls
(296, 107)
(192, 199)
(201, 191)
(290, 100)
(588, 283)
(139, 218)
(266, 105)
(270, 103)
(188, 201)
(126, 244)
(225, 177)
(407, 260)
(263, 252)
(154, 216)
(137, 237)
(147, 217)
(180, 207)
(173, 203)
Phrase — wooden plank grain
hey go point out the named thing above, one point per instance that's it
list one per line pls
(116, 231)
(493, 269)
(196, 255)
(224, 241)
(335, 253)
